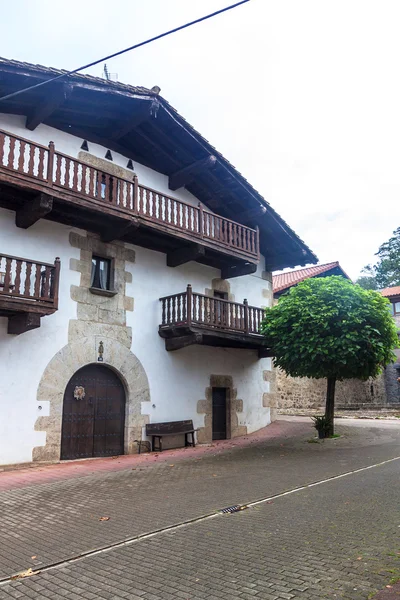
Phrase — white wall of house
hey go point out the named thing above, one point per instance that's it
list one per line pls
(178, 380)
(23, 358)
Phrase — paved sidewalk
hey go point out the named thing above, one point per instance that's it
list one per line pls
(391, 592)
(36, 473)
(53, 514)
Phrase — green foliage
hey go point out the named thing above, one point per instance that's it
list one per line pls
(386, 271)
(329, 327)
(323, 425)
(367, 282)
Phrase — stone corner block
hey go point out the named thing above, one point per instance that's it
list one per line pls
(77, 240)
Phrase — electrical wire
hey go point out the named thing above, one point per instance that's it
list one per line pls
(96, 62)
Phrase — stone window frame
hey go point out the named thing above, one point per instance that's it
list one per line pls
(220, 285)
(100, 291)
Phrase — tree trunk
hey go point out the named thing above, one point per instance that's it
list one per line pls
(330, 404)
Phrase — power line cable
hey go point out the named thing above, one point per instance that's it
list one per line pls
(153, 39)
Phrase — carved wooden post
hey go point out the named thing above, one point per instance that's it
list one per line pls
(189, 300)
(201, 220)
(246, 316)
(135, 193)
(56, 281)
(50, 164)
(258, 242)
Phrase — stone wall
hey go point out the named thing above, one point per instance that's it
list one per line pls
(304, 393)
(392, 373)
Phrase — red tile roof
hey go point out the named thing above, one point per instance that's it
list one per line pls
(391, 291)
(286, 280)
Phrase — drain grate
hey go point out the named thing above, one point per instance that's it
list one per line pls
(232, 509)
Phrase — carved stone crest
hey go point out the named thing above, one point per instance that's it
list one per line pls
(79, 392)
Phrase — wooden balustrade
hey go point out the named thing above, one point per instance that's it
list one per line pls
(23, 157)
(189, 308)
(57, 172)
(89, 182)
(24, 279)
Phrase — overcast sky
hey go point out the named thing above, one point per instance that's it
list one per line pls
(302, 96)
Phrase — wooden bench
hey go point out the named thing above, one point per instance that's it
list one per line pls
(158, 430)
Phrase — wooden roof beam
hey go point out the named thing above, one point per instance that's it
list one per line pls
(252, 214)
(144, 112)
(116, 232)
(186, 175)
(185, 254)
(237, 270)
(22, 322)
(54, 98)
(157, 147)
(32, 211)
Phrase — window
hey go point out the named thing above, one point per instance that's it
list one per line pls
(220, 308)
(395, 308)
(222, 295)
(101, 273)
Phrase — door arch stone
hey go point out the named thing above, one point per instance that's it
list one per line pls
(62, 367)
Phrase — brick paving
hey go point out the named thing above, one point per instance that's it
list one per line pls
(23, 475)
(279, 550)
(391, 592)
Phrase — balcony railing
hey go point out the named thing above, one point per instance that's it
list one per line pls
(191, 309)
(57, 173)
(31, 284)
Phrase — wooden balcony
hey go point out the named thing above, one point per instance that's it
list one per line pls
(59, 187)
(28, 291)
(190, 318)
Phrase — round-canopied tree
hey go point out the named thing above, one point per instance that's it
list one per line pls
(330, 328)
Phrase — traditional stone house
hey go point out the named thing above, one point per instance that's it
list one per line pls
(299, 393)
(135, 264)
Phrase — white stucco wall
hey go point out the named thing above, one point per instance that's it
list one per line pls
(23, 358)
(178, 380)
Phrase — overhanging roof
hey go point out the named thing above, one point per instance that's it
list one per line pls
(391, 292)
(143, 126)
(283, 281)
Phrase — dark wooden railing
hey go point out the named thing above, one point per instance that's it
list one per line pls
(24, 279)
(28, 160)
(189, 308)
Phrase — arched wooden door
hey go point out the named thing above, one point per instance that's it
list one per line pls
(93, 414)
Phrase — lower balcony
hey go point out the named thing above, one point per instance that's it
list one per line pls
(190, 318)
(28, 291)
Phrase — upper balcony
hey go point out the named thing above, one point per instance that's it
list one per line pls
(190, 318)
(61, 188)
(28, 291)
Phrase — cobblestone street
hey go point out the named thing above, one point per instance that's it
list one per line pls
(338, 539)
